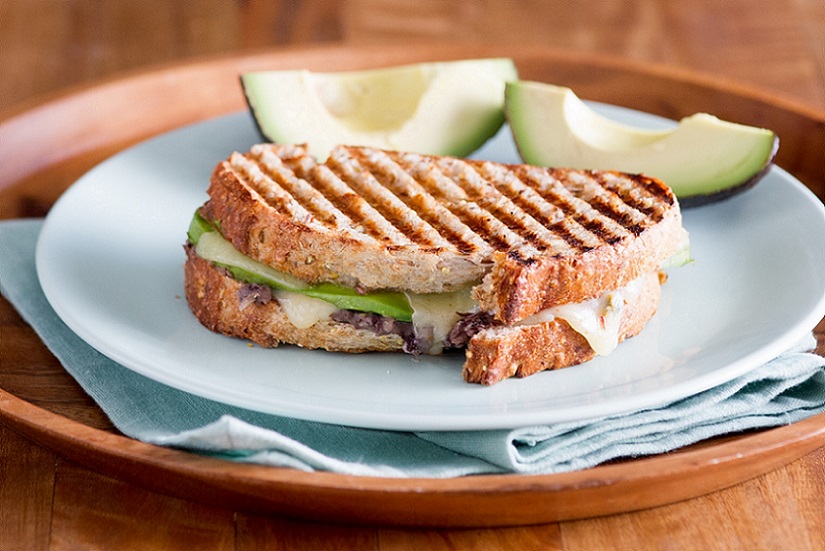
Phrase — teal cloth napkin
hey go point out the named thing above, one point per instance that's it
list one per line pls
(785, 390)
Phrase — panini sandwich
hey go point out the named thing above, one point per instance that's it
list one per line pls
(525, 268)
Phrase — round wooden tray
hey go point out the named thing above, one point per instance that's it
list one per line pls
(48, 144)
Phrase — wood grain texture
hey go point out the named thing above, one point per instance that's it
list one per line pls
(92, 511)
(772, 53)
(267, 534)
(533, 538)
(771, 44)
(26, 489)
(717, 36)
(760, 514)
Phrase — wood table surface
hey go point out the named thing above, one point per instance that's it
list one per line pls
(50, 502)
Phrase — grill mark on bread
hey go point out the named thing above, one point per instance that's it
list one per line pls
(639, 192)
(472, 214)
(626, 220)
(581, 221)
(656, 188)
(252, 175)
(351, 202)
(469, 208)
(601, 194)
(340, 210)
(443, 203)
(518, 215)
(611, 222)
(389, 174)
(391, 208)
(560, 235)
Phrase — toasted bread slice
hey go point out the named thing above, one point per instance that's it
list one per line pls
(527, 237)
(507, 351)
(492, 355)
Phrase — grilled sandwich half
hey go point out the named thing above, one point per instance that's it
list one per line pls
(525, 268)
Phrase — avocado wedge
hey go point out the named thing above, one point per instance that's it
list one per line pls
(703, 159)
(440, 108)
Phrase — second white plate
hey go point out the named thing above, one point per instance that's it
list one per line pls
(110, 261)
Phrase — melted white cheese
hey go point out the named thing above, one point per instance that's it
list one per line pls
(304, 311)
(597, 320)
(435, 313)
(440, 312)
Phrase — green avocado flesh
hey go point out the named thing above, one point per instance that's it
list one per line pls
(210, 245)
(680, 258)
(443, 108)
(702, 159)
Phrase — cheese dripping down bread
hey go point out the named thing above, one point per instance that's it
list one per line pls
(526, 268)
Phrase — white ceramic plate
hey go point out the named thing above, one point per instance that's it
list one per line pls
(110, 260)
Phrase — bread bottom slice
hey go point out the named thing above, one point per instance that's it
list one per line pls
(213, 296)
(501, 352)
(492, 355)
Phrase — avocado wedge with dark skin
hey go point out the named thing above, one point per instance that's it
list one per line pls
(439, 108)
(702, 158)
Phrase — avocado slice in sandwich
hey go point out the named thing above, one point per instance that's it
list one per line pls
(211, 245)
